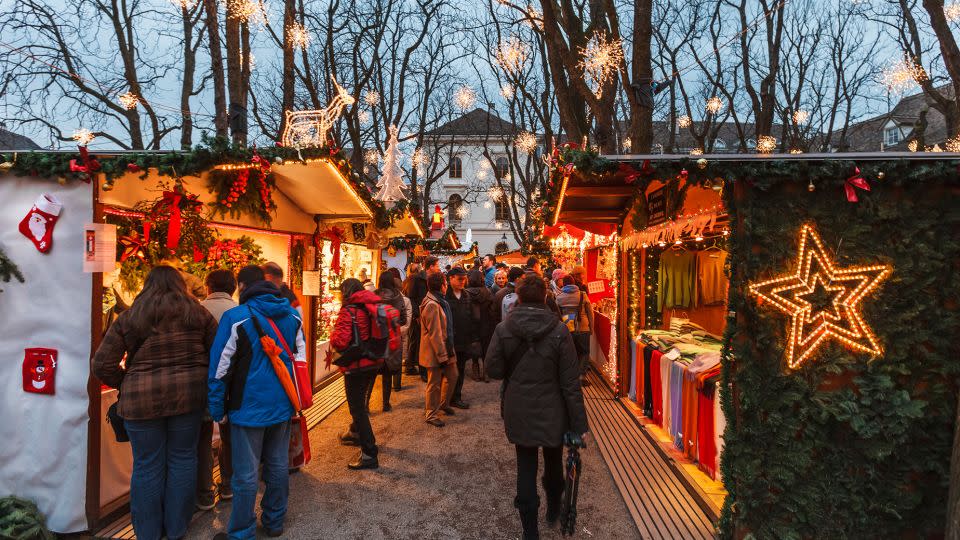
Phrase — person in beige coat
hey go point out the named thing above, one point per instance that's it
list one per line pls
(436, 351)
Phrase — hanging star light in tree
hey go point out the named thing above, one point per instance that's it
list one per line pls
(526, 142)
(600, 60)
(129, 100)
(363, 117)
(83, 136)
(766, 144)
(800, 117)
(714, 105)
(903, 75)
(507, 92)
(298, 36)
(391, 181)
(371, 157)
(495, 193)
(823, 301)
(684, 122)
(952, 11)
(465, 98)
(248, 11)
(511, 55)
(372, 98)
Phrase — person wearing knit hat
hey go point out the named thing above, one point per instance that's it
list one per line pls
(579, 274)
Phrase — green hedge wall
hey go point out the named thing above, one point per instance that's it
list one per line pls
(843, 447)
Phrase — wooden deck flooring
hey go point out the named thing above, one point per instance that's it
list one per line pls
(660, 504)
(327, 400)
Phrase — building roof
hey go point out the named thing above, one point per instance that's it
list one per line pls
(867, 135)
(478, 122)
(12, 141)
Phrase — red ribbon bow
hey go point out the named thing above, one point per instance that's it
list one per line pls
(133, 246)
(855, 181)
(87, 165)
(335, 235)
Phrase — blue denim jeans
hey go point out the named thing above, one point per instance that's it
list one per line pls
(164, 480)
(250, 446)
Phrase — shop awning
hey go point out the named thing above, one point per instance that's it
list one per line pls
(318, 188)
(595, 206)
(405, 227)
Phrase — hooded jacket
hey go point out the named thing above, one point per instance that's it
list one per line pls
(541, 393)
(358, 305)
(569, 300)
(242, 383)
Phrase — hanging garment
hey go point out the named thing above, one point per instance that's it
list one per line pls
(711, 279)
(665, 363)
(676, 404)
(677, 280)
(634, 372)
(707, 451)
(690, 414)
(656, 394)
(647, 387)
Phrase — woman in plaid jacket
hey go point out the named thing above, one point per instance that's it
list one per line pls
(166, 337)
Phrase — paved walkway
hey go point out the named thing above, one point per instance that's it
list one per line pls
(449, 483)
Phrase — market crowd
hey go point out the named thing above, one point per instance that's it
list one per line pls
(186, 356)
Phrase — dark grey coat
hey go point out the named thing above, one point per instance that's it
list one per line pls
(542, 399)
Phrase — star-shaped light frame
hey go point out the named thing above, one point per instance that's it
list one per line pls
(808, 330)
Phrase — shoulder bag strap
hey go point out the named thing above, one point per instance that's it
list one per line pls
(576, 322)
(283, 342)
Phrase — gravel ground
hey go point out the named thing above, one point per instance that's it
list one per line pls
(455, 482)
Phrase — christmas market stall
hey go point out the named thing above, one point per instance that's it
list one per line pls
(91, 227)
(786, 330)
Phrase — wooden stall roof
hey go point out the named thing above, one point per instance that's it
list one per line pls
(405, 227)
(318, 188)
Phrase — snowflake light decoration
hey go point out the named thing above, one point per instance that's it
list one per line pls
(128, 101)
(83, 136)
(800, 117)
(903, 75)
(684, 122)
(495, 193)
(507, 92)
(766, 144)
(298, 36)
(419, 158)
(952, 11)
(248, 11)
(372, 98)
(372, 157)
(463, 211)
(526, 142)
(696, 152)
(600, 60)
(363, 117)
(511, 55)
(714, 105)
(465, 97)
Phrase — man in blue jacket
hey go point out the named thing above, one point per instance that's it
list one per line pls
(246, 392)
(489, 270)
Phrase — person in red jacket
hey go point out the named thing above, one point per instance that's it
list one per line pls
(358, 375)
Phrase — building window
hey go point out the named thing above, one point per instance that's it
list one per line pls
(892, 136)
(456, 167)
(501, 209)
(503, 167)
(455, 207)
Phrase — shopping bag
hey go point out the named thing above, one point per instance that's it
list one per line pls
(301, 372)
(299, 451)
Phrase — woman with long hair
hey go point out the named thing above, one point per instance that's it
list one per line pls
(166, 337)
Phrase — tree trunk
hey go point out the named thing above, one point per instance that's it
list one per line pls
(216, 65)
(186, 88)
(235, 61)
(288, 65)
(641, 116)
(953, 505)
(950, 53)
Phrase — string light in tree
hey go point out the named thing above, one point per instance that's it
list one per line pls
(600, 60)
(952, 11)
(903, 75)
(507, 92)
(248, 11)
(714, 105)
(495, 193)
(83, 136)
(128, 100)
(526, 142)
(627, 144)
(419, 159)
(814, 322)
(511, 55)
(684, 122)
(800, 117)
(363, 117)
(465, 98)
(766, 144)
(298, 36)
(534, 18)
(696, 152)
(371, 157)
(372, 98)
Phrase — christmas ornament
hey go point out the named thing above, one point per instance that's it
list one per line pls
(278, 160)
(106, 186)
(38, 224)
(7, 165)
(702, 163)
(391, 181)
(813, 322)
(810, 186)
(39, 370)
(881, 175)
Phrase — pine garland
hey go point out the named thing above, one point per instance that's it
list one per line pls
(20, 519)
(9, 269)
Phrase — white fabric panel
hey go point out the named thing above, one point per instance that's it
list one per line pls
(44, 450)
(116, 458)
(398, 261)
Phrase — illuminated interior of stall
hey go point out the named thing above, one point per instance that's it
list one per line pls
(676, 313)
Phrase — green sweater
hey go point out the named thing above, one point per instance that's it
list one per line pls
(678, 280)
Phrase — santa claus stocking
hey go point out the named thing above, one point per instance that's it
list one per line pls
(39, 222)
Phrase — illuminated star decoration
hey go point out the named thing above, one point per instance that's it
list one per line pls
(600, 60)
(812, 323)
(464, 97)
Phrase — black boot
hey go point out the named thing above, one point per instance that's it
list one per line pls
(528, 519)
(554, 501)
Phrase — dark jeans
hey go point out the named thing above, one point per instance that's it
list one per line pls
(356, 385)
(527, 500)
(387, 386)
(163, 485)
(413, 356)
(205, 487)
(250, 447)
(462, 368)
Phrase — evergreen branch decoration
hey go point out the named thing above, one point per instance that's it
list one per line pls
(9, 269)
(20, 519)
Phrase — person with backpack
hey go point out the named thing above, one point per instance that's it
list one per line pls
(496, 307)
(577, 314)
(166, 336)
(481, 298)
(437, 355)
(359, 338)
(389, 294)
(541, 400)
(245, 389)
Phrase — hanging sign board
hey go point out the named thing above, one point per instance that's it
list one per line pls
(99, 247)
(311, 283)
(656, 207)
(596, 287)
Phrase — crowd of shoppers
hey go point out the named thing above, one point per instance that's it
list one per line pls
(186, 363)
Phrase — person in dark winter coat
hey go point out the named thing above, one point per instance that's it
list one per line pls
(389, 294)
(481, 297)
(465, 329)
(533, 353)
(577, 314)
(359, 375)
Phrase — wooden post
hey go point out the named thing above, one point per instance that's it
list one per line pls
(93, 509)
(953, 504)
